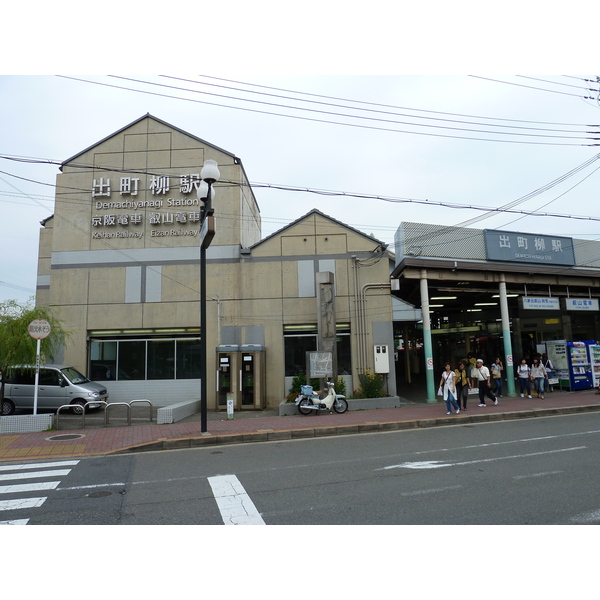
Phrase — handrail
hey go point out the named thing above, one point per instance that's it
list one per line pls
(143, 400)
(108, 406)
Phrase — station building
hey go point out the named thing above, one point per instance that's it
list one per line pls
(492, 293)
(119, 264)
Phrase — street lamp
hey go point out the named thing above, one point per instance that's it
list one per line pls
(209, 175)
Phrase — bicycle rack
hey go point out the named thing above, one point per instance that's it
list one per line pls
(109, 406)
(106, 409)
(70, 406)
(145, 401)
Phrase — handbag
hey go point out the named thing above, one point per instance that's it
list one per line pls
(440, 392)
(496, 374)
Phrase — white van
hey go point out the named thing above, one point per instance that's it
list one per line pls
(58, 385)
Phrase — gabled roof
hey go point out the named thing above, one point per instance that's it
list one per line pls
(315, 211)
(149, 116)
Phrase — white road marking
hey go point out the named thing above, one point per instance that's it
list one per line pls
(587, 518)
(537, 474)
(64, 463)
(95, 485)
(22, 472)
(28, 487)
(21, 503)
(56, 473)
(435, 464)
(234, 503)
(431, 491)
(15, 522)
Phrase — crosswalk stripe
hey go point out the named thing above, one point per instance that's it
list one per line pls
(63, 463)
(28, 487)
(15, 522)
(234, 503)
(56, 473)
(18, 503)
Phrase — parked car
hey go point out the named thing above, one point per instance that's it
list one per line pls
(58, 385)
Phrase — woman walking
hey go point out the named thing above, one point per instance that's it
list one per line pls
(496, 369)
(463, 384)
(524, 374)
(539, 376)
(448, 386)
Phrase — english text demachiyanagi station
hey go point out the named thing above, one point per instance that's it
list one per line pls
(119, 262)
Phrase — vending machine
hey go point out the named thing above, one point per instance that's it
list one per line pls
(572, 363)
(594, 350)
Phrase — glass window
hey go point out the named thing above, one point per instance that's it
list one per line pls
(103, 361)
(344, 355)
(161, 359)
(132, 360)
(49, 377)
(296, 348)
(188, 359)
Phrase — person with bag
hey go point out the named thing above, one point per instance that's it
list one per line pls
(463, 384)
(549, 367)
(539, 375)
(448, 388)
(524, 374)
(483, 378)
(496, 369)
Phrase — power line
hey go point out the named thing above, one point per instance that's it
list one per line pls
(534, 88)
(392, 106)
(330, 122)
(397, 200)
(336, 114)
(352, 107)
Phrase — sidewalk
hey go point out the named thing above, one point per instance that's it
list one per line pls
(262, 427)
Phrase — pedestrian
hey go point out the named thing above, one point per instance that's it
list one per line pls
(448, 387)
(524, 375)
(539, 376)
(549, 367)
(463, 385)
(496, 369)
(470, 364)
(482, 374)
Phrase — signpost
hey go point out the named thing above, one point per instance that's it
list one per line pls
(38, 330)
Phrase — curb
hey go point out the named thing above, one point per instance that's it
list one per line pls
(311, 432)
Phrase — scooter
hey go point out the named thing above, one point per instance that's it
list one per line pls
(309, 401)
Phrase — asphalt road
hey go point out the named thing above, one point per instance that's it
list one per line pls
(536, 471)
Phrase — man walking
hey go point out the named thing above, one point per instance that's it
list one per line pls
(482, 375)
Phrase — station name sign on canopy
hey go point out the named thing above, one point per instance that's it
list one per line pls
(510, 246)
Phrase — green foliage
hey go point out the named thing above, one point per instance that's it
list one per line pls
(340, 387)
(370, 385)
(17, 346)
(298, 381)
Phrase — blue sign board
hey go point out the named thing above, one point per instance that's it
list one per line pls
(510, 246)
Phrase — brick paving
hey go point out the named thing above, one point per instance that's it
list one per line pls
(259, 427)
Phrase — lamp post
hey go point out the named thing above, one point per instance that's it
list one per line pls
(209, 175)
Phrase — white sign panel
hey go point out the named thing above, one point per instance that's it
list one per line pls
(535, 303)
(581, 304)
(39, 329)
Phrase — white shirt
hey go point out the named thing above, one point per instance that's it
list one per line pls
(482, 373)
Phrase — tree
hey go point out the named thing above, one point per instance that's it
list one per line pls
(17, 347)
